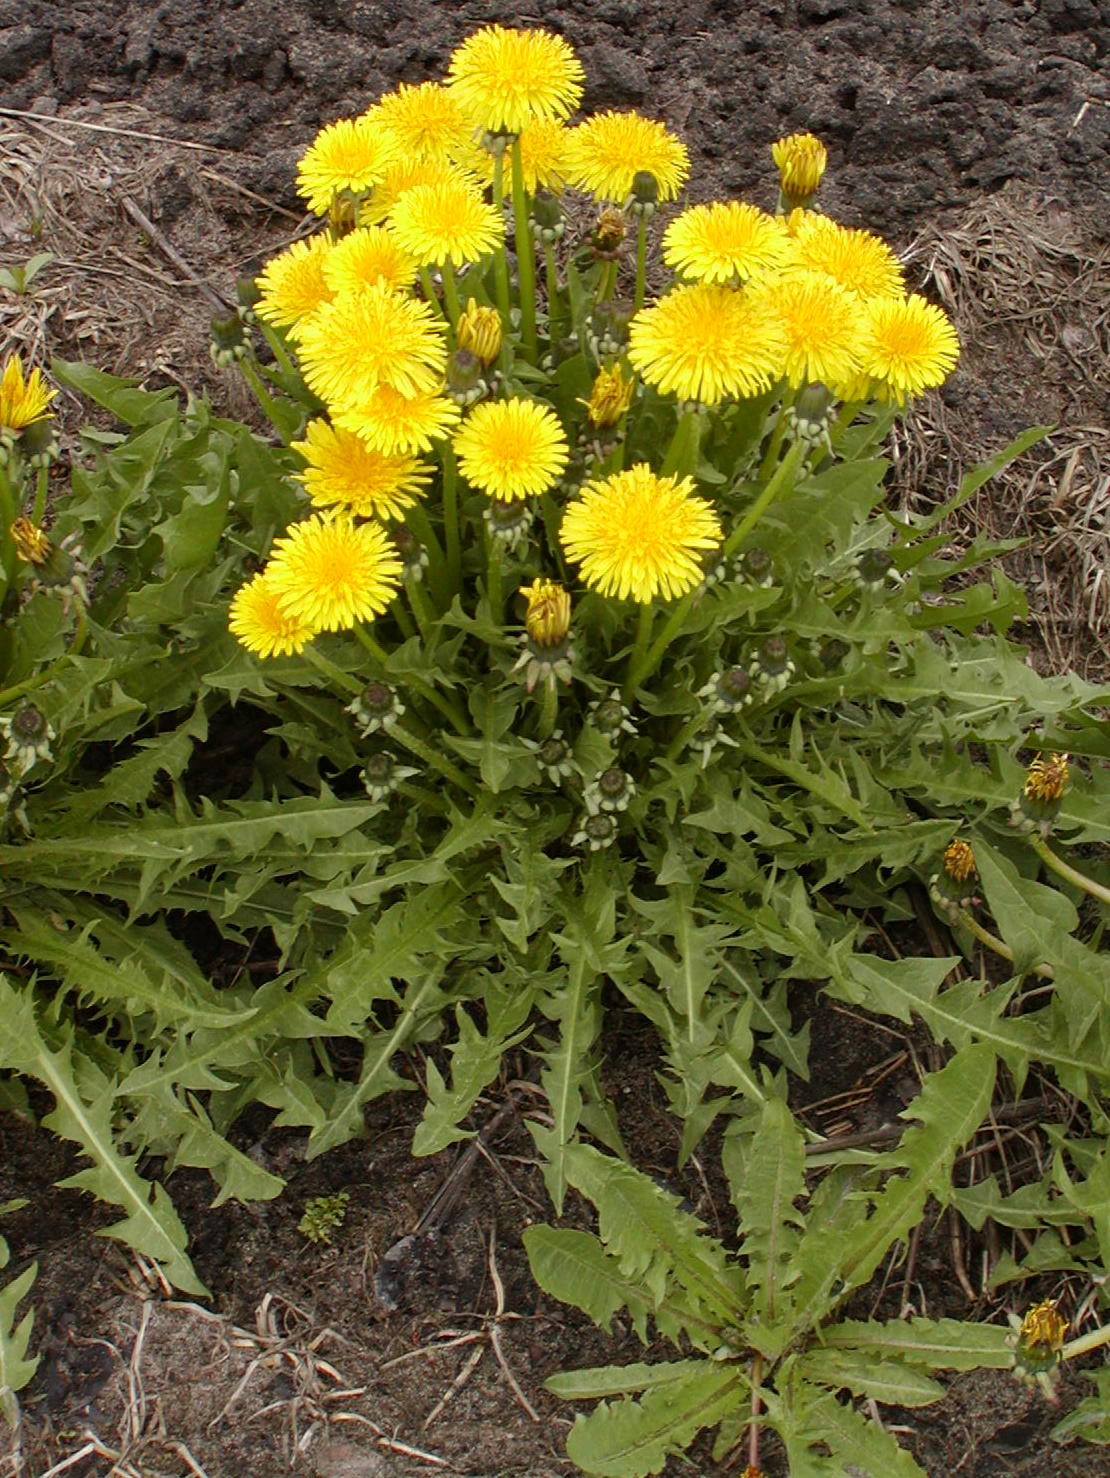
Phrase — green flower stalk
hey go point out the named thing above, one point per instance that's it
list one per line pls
(525, 257)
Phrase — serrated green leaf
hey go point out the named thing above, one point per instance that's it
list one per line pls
(936, 1344)
(766, 1170)
(869, 1377)
(627, 1439)
(16, 1369)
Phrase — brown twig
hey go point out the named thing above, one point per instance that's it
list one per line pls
(170, 252)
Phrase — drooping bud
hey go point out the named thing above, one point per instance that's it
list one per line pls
(801, 160)
(610, 397)
(479, 330)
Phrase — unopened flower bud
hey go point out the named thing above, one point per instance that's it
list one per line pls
(479, 330)
(873, 567)
(464, 377)
(1042, 792)
(596, 831)
(414, 557)
(801, 160)
(547, 619)
(29, 734)
(1040, 1338)
(39, 442)
(773, 666)
(758, 566)
(610, 717)
(644, 194)
(547, 216)
(381, 775)
(228, 340)
(809, 415)
(610, 398)
(955, 883)
(377, 707)
(611, 791)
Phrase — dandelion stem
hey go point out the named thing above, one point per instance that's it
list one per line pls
(20, 690)
(1069, 874)
(606, 283)
(419, 523)
(682, 454)
(346, 682)
(430, 293)
(774, 446)
(782, 480)
(641, 261)
(554, 321)
(41, 484)
(425, 617)
(525, 257)
(756, 1404)
(277, 347)
(8, 508)
(640, 662)
(451, 519)
(451, 294)
(501, 259)
(1086, 1343)
(493, 578)
(265, 400)
(431, 756)
(549, 709)
(997, 946)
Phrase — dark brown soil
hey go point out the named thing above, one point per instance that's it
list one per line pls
(940, 117)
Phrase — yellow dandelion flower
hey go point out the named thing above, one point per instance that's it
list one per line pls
(547, 619)
(258, 623)
(374, 337)
(512, 449)
(366, 257)
(406, 175)
(859, 261)
(908, 346)
(344, 471)
(823, 327)
(332, 573)
(606, 153)
(437, 224)
(707, 342)
(293, 284)
(801, 161)
(723, 241)
(1042, 1330)
(1046, 779)
(639, 535)
(391, 422)
(22, 401)
(543, 150)
(506, 79)
(350, 156)
(610, 397)
(427, 121)
(479, 330)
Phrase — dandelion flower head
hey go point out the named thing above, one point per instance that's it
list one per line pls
(706, 342)
(369, 256)
(908, 346)
(333, 573)
(406, 174)
(543, 153)
(512, 449)
(257, 621)
(801, 160)
(426, 121)
(606, 153)
(22, 400)
(823, 327)
(859, 261)
(293, 284)
(350, 156)
(370, 338)
(638, 535)
(344, 471)
(437, 224)
(505, 79)
(724, 241)
(391, 422)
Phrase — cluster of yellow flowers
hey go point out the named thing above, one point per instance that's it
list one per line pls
(415, 187)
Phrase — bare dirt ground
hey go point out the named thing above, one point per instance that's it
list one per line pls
(976, 137)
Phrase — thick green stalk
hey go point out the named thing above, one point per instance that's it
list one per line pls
(265, 400)
(451, 294)
(780, 482)
(9, 508)
(501, 258)
(42, 484)
(280, 353)
(432, 756)
(525, 258)
(682, 454)
(774, 446)
(451, 520)
(494, 549)
(1068, 873)
(641, 261)
(554, 321)
(639, 663)
(549, 709)
(430, 291)
(448, 707)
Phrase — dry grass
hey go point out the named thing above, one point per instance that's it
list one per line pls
(1029, 289)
